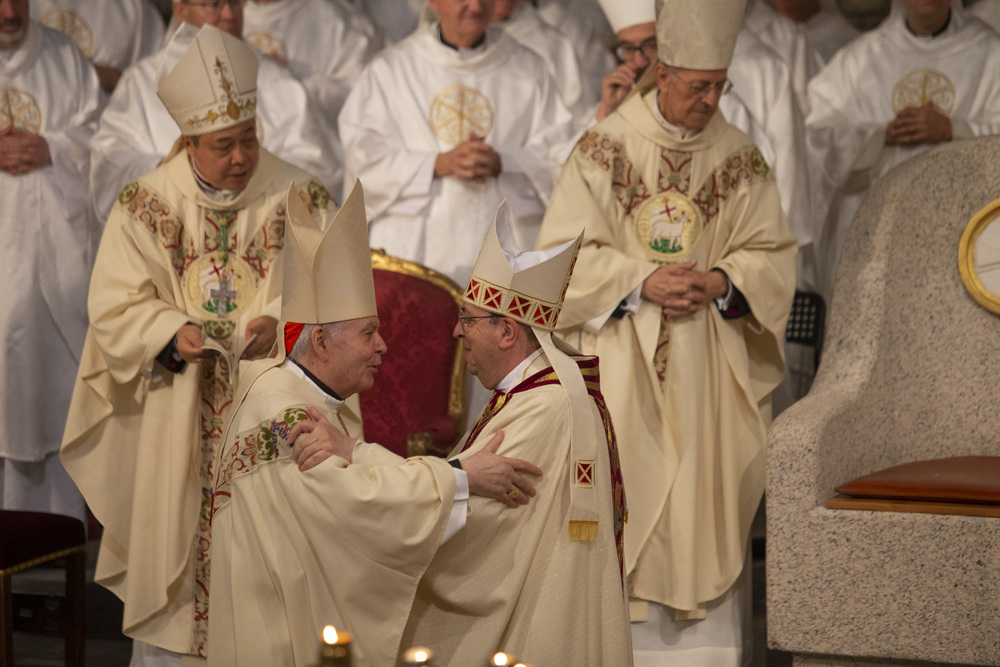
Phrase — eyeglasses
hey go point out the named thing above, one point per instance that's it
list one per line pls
(625, 51)
(704, 88)
(214, 5)
(464, 319)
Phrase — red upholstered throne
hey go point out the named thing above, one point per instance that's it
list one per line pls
(417, 404)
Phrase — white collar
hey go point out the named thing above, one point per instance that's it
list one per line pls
(329, 401)
(674, 131)
(515, 376)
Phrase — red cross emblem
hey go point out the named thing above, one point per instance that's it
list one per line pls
(585, 473)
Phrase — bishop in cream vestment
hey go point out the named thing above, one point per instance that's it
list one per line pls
(515, 581)
(140, 441)
(688, 396)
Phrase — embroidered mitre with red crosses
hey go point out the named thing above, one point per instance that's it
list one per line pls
(527, 286)
(530, 287)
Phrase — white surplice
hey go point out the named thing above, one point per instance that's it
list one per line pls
(762, 104)
(987, 11)
(110, 33)
(588, 31)
(136, 132)
(863, 89)
(325, 44)
(805, 47)
(421, 98)
(48, 88)
(578, 92)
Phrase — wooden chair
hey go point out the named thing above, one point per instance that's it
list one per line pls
(417, 405)
(28, 539)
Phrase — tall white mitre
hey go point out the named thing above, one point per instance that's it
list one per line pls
(327, 273)
(530, 287)
(698, 34)
(214, 84)
(624, 14)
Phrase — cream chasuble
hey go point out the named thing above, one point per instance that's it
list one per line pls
(46, 88)
(139, 440)
(338, 544)
(513, 580)
(804, 47)
(863, 89)
(692, 443)
(421, 98)
(110, 33)
(325, 44)
(136, 132)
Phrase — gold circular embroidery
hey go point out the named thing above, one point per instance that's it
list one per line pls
(979, 257)
(921, 86)
(268, 43)
(72, 24)
(458, 111)
(19, 108)
(669, 226)
(220, 286)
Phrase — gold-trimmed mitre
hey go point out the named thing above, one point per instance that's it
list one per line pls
(624, 14)
(698, 34)
(327, 273)
(214, 84)
(526, 286)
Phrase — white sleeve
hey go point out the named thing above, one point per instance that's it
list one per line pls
(456, 521)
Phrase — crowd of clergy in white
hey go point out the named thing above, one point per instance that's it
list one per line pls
(698, 160)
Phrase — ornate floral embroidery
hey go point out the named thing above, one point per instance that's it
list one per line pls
(319, 198)
(145, 207)
(741, 169)
(267, 243)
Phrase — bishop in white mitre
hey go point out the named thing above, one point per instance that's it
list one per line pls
(136, 132)
(326, 44)
(443, 127)
(112, 34)
(928, 74)
(805, 33)
(50, 100)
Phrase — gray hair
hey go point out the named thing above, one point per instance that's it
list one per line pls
(302, 344)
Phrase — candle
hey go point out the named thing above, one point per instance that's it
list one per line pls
(418, 656)
(503, 660)
(336, 651)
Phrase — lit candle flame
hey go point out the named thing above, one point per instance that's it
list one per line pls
(421, 656)
(330, 635)
(501, 659)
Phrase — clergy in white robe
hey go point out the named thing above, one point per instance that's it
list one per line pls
(890, 95)
(50, 100)
(136, 133)
(396, 18)
(326, 44)
(805, 33)
(682, 289)
(421, 110)
(186, 282)
(544, 583)
(523, 23)
(112, 34)
(987, 11)
(588, 31)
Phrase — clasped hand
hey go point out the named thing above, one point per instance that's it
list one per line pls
(918, 125)
(472, 160)
(681, 290)
(22, 152)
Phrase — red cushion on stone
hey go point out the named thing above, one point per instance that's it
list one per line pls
(413, 383)
(968, 479)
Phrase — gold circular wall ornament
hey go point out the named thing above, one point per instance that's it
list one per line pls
(458, 111)
(979, 257)
(669, 226)
(921, 86)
